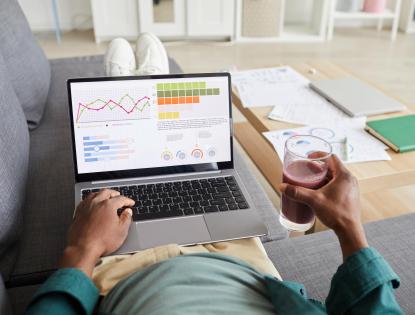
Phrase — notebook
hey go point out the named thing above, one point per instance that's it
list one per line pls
(398, 132)
(356, 98)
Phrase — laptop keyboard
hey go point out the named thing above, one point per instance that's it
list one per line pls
(182, 198)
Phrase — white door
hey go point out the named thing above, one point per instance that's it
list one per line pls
(210, 17)
(165, 18)
(114, 18)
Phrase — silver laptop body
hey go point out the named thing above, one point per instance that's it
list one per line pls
(178, 110)
(355, 97)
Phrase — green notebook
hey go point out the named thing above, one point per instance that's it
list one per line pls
(397, 132)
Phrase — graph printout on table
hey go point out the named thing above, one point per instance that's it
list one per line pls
(135, 124)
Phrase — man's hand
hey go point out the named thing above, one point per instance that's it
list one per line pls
(336, 204)
(97, 229)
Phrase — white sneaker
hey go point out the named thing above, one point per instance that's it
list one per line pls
(151, 56)
(119, 58)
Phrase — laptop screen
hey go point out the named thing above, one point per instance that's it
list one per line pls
(158, 122)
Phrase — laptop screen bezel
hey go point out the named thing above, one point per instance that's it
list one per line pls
(156, 171)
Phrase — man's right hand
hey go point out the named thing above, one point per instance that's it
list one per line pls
(336, 204)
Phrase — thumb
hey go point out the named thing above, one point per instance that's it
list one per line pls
(125, 217)
(297, 193)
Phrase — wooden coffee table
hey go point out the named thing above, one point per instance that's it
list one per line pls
(373, 177)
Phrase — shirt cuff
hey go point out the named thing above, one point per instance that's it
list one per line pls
(73, 283)
(361, 273)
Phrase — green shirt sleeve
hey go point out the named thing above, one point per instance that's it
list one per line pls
(67, 292)
(364, 284)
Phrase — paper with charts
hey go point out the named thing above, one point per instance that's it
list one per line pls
(360, 146)
(289, 93)
(136, 124)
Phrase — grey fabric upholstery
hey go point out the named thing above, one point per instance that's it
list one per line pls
(5, 307)
(20, 298)
(27, 65)
(313, 259)
(14, 155)
(50, 196)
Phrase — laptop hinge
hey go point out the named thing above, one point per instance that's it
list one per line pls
(155, 177)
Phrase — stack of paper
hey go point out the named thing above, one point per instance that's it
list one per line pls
(294, 102)
(350, 145)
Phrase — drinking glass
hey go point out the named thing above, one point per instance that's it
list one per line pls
(305, 165)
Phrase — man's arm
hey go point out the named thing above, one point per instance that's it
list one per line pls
(364, 283)
(97, 230)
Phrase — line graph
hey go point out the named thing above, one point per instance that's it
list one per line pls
(126, 108)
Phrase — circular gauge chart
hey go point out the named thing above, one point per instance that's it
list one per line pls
(166, 155)
(211, 152)
(180, 155)
(324, 133)
(197, 154)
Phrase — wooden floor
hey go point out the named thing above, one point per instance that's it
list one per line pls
(367, 53)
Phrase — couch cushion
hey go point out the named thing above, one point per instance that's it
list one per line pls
(313, 259)
(28, 67)
(50, 196)
(14, 155)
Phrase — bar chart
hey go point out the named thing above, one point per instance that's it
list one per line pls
(182, 94)
(104, 148)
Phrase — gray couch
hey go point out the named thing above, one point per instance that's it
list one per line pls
(36, 181)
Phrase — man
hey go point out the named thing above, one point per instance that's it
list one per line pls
(209, 283)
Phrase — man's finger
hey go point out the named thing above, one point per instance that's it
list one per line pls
(125, 216)
(105, 194)
(120, 202)
(335, 165)
(297, 193)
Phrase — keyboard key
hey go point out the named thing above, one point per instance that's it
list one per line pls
(210, 209)
(223, 208)
(233, 187)
(153, 209)
(173, 194)
(187, 198)
(197, 198)
(174, 207)
(222, 189)
(184, 205)
(204, 203)
(188, 211)
(222, 195)
(233, 206)
(194, 204)
(167, 201)
(147, 203)
(236, 193)
(230, 200)
(157, 202)
(217, 202)
(240, 199)
(177, 200)
(243, 205)
(164, 208)
(198, 210)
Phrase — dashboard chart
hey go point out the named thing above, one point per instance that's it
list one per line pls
(125, 108)
(132, 124)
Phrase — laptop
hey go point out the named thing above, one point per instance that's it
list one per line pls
(355, 97)
(165, 141)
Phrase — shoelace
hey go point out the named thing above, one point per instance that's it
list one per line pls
(148, 68)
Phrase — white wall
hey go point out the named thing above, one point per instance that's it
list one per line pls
(73, 14)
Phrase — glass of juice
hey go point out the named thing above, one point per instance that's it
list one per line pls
(305, 164)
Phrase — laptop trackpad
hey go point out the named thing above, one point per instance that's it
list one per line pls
(182, 231)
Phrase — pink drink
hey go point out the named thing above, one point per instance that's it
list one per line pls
(308, 174)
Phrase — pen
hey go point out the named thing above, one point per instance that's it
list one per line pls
(346, 149)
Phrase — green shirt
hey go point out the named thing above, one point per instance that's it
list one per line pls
(216, 284)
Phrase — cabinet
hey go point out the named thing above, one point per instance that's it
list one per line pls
(213, 18)
(168, 19)
(114, 18)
